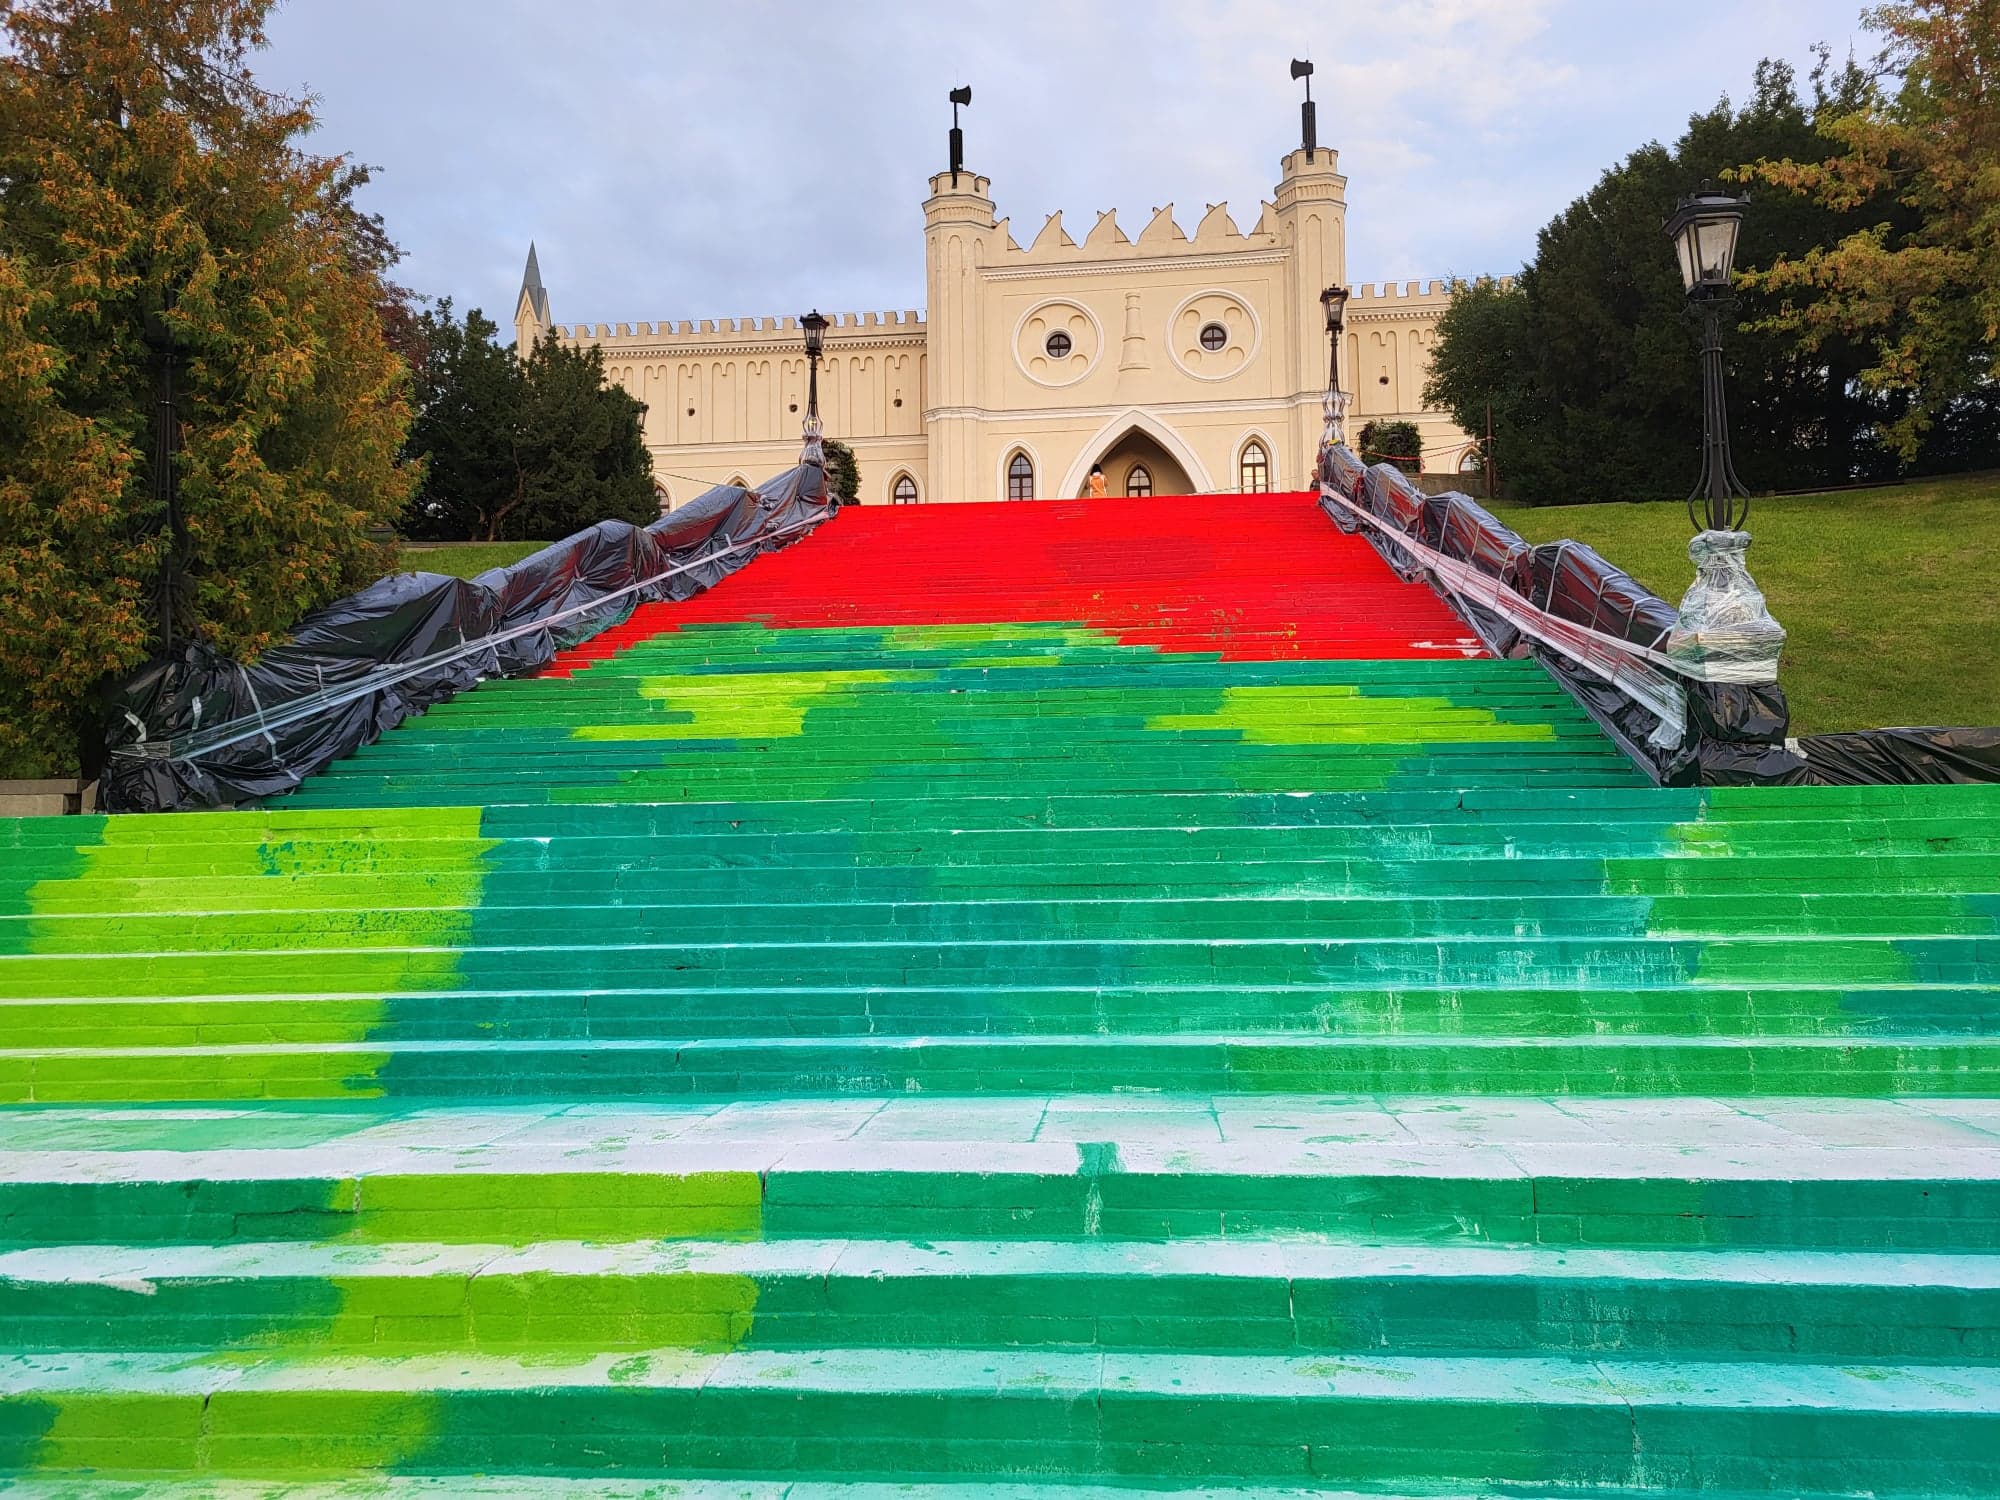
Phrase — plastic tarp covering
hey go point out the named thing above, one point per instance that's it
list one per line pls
(1571, 581)
(201, 731)
(1725, 631)
(1735, 728)
(1908, 757)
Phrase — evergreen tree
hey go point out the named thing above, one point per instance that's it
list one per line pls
(580, 449)
(843, 474)
(521, 450)
(153, 197)
(468, 400)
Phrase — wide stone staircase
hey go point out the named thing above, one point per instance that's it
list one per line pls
(1016, 1000)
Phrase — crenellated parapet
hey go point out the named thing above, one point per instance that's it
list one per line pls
(1108, 242)
(670, 338)
(1394, 298)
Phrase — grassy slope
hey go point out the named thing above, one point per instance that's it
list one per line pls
(1892, 596)
(464, 559)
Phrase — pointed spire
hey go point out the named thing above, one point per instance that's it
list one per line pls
(532, 289)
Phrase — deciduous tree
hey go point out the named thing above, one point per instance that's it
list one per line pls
(1589, 360)
(1917, 158)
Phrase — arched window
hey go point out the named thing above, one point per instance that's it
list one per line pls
(662, 497)
(903, 491)
(1139, 482)
(1020, 478)
(1253, 470)
(1472, 463)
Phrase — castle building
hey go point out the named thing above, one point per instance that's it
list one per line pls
(1179, 364)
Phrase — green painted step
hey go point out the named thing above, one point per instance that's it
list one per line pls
(1242, 1295)
(1828, 1067)
(604, 1487)
(1642, 1173)
(1022, 1414)
(634, 1013)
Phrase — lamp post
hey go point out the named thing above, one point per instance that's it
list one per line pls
(815, 326)
(1704, 230)
(1333, 301)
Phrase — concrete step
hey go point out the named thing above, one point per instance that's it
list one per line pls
(806, 1067)
(1238, 1295)
(1798, 1429)
(468, 1010)
(1640, 1173)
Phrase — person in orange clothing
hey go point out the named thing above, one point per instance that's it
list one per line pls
(1096, 490)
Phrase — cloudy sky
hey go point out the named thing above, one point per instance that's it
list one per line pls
(701, 160)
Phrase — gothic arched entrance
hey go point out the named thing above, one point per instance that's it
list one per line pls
(1136, 437)
(1137, 465)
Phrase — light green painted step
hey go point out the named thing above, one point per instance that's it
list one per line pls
(1800, 1429)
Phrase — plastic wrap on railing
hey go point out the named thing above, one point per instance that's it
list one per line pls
(1570, 581)
(357, 667)
(1725, 632)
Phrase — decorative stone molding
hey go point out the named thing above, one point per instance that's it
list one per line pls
(1057, 315)
(1236, 317)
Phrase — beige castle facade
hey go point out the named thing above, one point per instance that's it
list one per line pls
(1179, 364)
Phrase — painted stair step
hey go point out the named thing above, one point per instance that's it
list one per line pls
(915, 915)
(1407, 961)
(1809, 808)
(205, 879)
(1863, 1174)
(1277, 1063)
(1799, 1428)
(499, 1014)
(1236, 1296)
(680, 1487)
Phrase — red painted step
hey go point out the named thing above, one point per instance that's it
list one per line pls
(1254, 577)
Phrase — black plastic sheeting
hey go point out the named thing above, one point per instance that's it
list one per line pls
(153, 757)
(1736, 733)
(1907, 757)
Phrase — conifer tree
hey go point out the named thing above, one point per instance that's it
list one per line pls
(153, 199)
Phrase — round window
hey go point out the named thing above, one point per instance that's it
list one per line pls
(1214, 337)
(1058, 345)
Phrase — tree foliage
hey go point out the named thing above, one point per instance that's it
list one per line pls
(152, 195)
(1917, 281)
(520, 449)
(1589, 360)
(843, 474)
(1398, 443)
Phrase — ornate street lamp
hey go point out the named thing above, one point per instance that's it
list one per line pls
(815, 326)
(1704, 230)
(1334, 303)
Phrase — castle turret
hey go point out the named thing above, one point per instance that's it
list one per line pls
(531, 308)
(1311, 207)
(959, 229)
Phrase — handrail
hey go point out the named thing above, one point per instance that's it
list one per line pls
(248, 726)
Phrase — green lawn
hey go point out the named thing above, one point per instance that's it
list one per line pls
(464, 559)
(1892, 595)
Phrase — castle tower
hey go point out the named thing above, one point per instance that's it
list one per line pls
(1311, 206)
(959, 229)
(531, 308)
